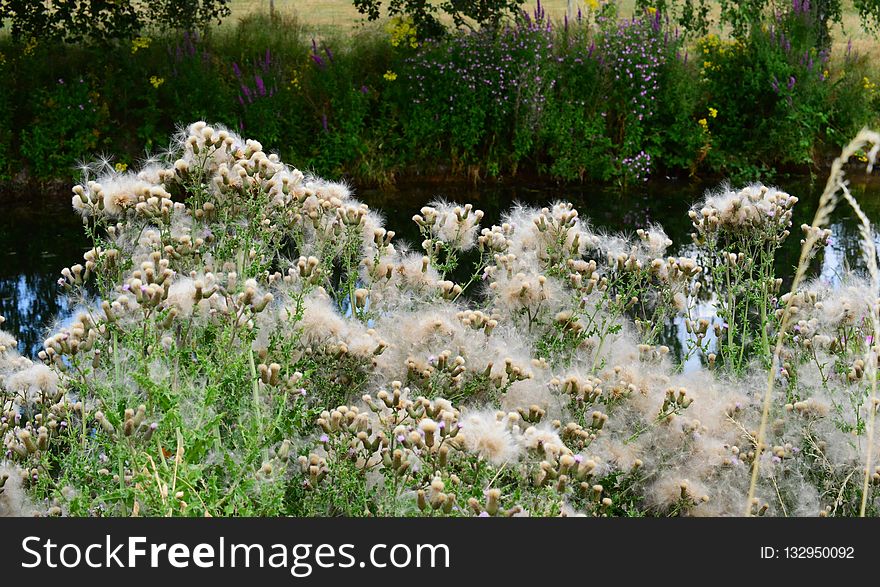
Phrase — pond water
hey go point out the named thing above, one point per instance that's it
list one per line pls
(41, 235)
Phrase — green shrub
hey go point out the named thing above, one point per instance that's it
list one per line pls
(68, 127)
(105, 20)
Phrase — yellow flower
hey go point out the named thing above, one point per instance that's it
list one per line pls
(704, 124)
(30, 46)
(652, 11)
(713, 112)
(594, 4)
(156, 81)
(869, 85)
(402, 32)
(390, 76)
(120, 167)
(139, 43)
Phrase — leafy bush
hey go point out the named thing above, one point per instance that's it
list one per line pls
(424, 15)
(481, 95)
(69, 121)
(575, 122)
(104, 20)
(6, 137)
(771, 94)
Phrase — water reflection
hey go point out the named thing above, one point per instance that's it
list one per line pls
(40, 235)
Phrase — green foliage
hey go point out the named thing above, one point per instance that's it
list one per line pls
(481, 95)
(425, 15)
(104, 20)
(528, 96)
(69, 121)
(743, 17)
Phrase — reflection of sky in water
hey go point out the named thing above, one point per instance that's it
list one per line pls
(843, 253)
(41, 236)
(32, 304)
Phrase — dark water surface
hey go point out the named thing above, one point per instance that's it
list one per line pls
(40, 234)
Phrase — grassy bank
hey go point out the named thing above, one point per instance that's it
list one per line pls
(596, 98)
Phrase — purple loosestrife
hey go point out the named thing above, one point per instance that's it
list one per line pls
(634, 53)
(637, 167)
(316, 56)
(507, 67)
(258, 79)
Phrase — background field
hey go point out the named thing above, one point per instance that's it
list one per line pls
(340, 15)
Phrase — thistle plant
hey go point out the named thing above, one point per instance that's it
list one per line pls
(261, 344)
(740, 233)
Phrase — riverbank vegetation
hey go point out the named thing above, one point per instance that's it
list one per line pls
(597, 96)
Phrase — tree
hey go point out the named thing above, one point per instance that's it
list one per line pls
(425, 14)
(742, 15)
(101, 20)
